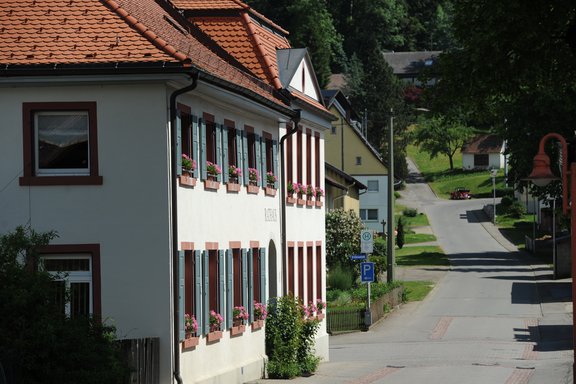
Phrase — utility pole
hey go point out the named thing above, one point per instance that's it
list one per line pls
(390, 240)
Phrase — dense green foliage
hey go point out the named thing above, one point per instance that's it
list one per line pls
(339, 278)
(400, 233)
(289, 339)
(343, 230)
(38, 344)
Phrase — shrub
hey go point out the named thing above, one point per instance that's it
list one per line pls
(516, 210)
(410, 212)
(344, 298)
(332, 294)
(400, 234)
(506, 201)
(283, 328)
(339, 278)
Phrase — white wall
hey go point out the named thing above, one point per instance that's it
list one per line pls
(128, 215)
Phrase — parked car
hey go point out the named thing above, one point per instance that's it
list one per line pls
(460, 193)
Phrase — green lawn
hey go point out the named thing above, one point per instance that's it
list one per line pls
(414, 238)
(417, 290)
(421, 255)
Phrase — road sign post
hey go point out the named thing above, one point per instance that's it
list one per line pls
(367, 276)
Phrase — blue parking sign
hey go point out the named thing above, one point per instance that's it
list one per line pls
(367, 271)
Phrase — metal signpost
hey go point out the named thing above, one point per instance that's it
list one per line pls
(367, 276)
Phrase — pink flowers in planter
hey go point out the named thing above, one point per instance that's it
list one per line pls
(234, 172)
(188, 164)
(213, 169)
(240, 314)
(215, 321)
(190, 324)
(253, 175)
(260, 312)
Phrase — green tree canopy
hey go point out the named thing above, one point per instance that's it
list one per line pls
(343, 230)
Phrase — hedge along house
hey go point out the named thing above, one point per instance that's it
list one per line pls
(100, 100)
(263, 48)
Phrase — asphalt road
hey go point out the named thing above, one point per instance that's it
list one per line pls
(487, 321)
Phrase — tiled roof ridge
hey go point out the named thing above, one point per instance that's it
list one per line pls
(146, 32)
(267, 63)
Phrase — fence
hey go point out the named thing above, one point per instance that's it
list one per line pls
(143, 356)
(353, 319)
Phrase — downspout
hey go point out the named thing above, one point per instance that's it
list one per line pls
(295, 120)
(174, 198)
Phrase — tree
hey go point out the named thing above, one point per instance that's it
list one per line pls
(343, 230)
(514, 69)
(439, 135)
(38, 344)
(400, 234)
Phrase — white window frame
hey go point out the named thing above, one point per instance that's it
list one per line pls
(70, 277)
(60, 171)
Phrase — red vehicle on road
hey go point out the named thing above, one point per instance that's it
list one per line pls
(460, 193)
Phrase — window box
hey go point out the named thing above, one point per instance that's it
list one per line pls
(270, 191)
(290, 200)
(190, 342)
(253, 189)
(211, 184)
(237, 330)
(257, 324)
(187, 180)
(232, 187)
(318, 204)
(309, 203)
(301, 202)
(213, 336)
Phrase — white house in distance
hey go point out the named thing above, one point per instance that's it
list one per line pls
(97, 112)
(484, 152)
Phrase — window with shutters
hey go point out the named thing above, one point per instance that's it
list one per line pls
(301, 276)
(256, 275)
(251, 139)
(189, 284)
(318, 272)
(60, 144)
(290, 271)
(211, 140)
(187, 134)
(317, 162)
(308, 157)
(289, 160)
(310, 274)
(213, 277)
(238, 287)
(76, 273)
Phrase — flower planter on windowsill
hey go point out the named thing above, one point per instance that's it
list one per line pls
(290, 200)
(253, 189)
(257, 324)
(211, 184)
(237, 330)
(320, 316)
(270, 191)
(187, 180)
(232, 187)
(309, 203)
(301, 202)
(190, 342)
(318, 204)
(213, 336)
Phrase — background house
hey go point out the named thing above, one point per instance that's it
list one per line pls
(484, 152)
(348, 150)
(95, 123)
(408, 65)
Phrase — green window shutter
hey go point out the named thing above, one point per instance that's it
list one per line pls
(229, 287)
(244, 278)
(258, 157)
(202, 162)
(275, 159)
(221, 286)
(206, 291)
(238, 150)
(250, 284)
(178, 142)
(195, 145)
(264, 165)
(181, 293)
(198, 291)
(263, 275)
(245, 157)
(225, 154)
(218, 139)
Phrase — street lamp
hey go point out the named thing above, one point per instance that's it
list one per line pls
(493, 174)
(541, 176)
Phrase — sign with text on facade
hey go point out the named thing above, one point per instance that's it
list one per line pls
(366, 241)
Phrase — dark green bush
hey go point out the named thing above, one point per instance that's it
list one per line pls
(332, 294)
(376, 290)
(339, 278)
(506, 201)
(516, 210)
(410, 212)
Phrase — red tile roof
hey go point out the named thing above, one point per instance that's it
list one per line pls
(115, 32)
(484, 144)
(209, 4)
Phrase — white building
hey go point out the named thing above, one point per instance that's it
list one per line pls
(95, 113)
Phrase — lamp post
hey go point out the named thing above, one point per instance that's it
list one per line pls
(542, 175)
(493, 174)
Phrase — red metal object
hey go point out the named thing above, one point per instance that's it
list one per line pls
(460, 193)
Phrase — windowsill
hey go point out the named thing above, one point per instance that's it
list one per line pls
(270, 191)
(61, 180)
(232, 187)
(257, 324)
(190, 342)
(237, 330)
(187, 180)
(213, 336)
(253, 189)
(211, 185)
